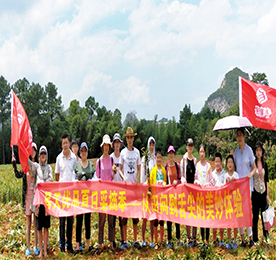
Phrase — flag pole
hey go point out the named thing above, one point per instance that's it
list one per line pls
(11, 118)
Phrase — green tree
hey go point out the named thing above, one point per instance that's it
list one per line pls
(53, 103)
(259, 78)
(185, 116)
(4, 108)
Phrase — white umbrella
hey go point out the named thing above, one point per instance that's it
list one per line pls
(231, 122)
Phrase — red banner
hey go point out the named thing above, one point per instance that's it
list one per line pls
(189, 204)
(21, 134)
(258, 104)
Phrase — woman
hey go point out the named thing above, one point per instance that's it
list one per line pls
(143, 179)
(188, 166)
(260, 195)
(84, 170)
(104, 170)
(203, 177)
(245, 167)
(28, 185)
(172, 178)
(42, 172)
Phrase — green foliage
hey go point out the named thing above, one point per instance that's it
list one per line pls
(271, 163)
(230, 90)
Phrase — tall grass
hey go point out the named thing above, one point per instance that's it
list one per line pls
(10, 186)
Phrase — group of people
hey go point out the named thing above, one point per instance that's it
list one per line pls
(126, 166)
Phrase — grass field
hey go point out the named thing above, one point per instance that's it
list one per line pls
(13, 240)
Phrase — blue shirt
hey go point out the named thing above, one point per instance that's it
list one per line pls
(244, 162)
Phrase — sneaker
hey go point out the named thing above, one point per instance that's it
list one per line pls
(191, 244)
(228, 246)
(243, 244)
(180, 244)
(252, 243)
(215, 243)
(235, 245)
(137, 245)
(62, 249)
(124, 246)
(169, 245)
(80, 247)
(221, 244)
(144, 244)
(36, 251)
(28, 252)
(152, 245)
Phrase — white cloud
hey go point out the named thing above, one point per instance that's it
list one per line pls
(130, 91)
(77, 45)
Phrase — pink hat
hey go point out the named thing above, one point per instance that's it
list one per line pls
(171, 148)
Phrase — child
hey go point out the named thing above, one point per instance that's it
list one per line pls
(130, 166)
(143, 179)
(104, 170)
(231, 176)
(28, 185)
(158, 177)
(203, 177)
(188, 165)
(218, 180)
(43, 173)
(84, 170)
(172, 177)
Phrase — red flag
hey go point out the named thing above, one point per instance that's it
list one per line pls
(21, 133)
(258, 104)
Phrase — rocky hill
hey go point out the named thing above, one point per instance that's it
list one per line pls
(228, 92)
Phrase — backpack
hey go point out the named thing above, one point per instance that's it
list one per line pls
(112, 162)
(177, 170)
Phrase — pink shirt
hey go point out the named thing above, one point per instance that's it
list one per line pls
(104, 171)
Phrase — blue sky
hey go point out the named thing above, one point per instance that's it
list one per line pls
(152, 57)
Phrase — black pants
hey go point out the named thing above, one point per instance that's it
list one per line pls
(87, 220)
(169, 229)
(70, 221)
(258, 203)
(202, 231)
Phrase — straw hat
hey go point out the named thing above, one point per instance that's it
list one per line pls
(129, 132)
(106, 140)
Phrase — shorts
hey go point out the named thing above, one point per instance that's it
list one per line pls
(156, 222)
(42, 221)
(134, 221)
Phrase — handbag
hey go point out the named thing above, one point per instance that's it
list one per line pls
(269, 218)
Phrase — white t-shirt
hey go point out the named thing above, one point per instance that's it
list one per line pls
(116, 162)
(219, 179)
(65, 167)
(235, 175)
(130, 160)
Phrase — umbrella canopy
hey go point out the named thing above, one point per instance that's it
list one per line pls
(231, 122)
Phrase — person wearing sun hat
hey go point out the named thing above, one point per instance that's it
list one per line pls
(85, 171)
(104, 171)
(42, 173)
(28, 185)
(188, 168)
(172, 177)
(130, 166)
(117, 144)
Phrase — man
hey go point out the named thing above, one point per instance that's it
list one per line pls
(130, 166)
(65, 164)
